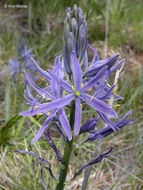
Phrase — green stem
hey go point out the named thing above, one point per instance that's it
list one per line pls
(16, 97)
(67, 154)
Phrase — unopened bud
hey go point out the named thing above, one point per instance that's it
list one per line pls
(74, 27)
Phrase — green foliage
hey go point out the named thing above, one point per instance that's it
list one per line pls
(7, 101)
(5, 132)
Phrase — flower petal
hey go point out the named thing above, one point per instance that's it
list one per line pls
(77, 73)
(57, 60)
(85, 61)
(93, 70)
(36, 88)
(117, 65)
(98, 105)
(108, 121)
(41, 71)
(100, 134)
(77, 121)
(89, 125)
(65, 123)
(107, 94)
(66, 86)
(44, 126)
(45, 107)
(92, 82)
(96, 57)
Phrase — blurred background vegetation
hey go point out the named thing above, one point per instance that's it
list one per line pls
(41, 26)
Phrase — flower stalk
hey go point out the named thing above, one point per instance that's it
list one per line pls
(67, 154)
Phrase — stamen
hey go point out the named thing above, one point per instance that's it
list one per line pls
(81, 106)
(116, 106)
(48, 99)
(81, 85)
(77, 93)
(90, 89)
(48, 113)
(73, 87)
(47, 84)
(39, 114)
(42, 79)
(73, 98)
(76, 170)
(91, 98)
(43, 95)
(114, 91)
(35, 107)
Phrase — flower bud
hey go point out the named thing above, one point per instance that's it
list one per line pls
(75, 36)
(74, 27)
(75, 11)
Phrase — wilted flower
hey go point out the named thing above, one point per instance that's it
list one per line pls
(44, 163)
(100, 134)
(89, 125)
(79, 169)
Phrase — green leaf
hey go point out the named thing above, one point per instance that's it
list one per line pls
(18, 128)
(5, 134)
(7, 102)
(34, 121)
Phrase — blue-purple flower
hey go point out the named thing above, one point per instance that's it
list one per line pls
(69, 86)
(77, 92)
(14, 67)
(55, 93)
(96, 64)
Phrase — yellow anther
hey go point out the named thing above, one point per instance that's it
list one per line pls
(48, 113)
(114, 90)
(81, 106)
(42, 79)
(81, 85)
(48, 99)
(39, 114)
(116, 106)
(73, 87)
(77, 93)
(37, 95)
(77, 170)
(90, 89)
(43, 95)
(35, 107)
(115, 93)
(73, 98)
(47, 84)
(91, 98)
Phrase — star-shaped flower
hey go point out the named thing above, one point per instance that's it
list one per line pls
(77, 92)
